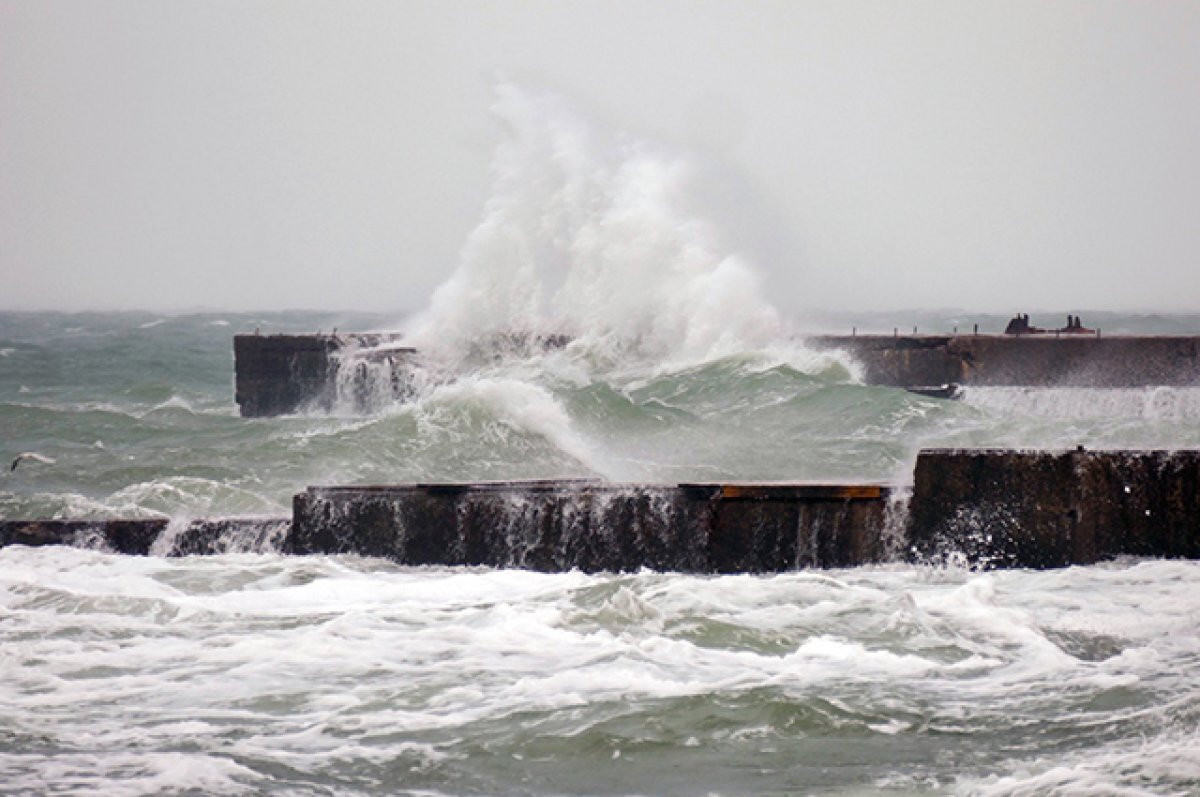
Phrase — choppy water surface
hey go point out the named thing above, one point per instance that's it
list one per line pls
(137, 411)
(266, 675)
(258, 674)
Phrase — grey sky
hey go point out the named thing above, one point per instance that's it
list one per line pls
(864, 155)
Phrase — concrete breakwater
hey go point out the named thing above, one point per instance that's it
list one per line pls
(1003, 508)
(557, 525)
(282, 374)
(987, 508)
(1021, 360)
(146, 536)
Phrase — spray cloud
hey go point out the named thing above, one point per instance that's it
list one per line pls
(589, 236)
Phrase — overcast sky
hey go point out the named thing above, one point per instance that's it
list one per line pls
(864, 155)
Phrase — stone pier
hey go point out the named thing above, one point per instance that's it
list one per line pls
(143, 536)
(282, 374)
(560, 525)
(1006, 508)
(1021, 360)
(984, 508)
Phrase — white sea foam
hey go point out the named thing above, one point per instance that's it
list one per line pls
(192, 495)
(524, 407)
(262, 674)
(1169, 404)
(123, 774)
(74, 505)
(1168, 764)
(174, 402)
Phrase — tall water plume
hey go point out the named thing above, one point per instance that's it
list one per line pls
(589, 235)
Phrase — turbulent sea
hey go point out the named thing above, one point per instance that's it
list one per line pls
(251, 673)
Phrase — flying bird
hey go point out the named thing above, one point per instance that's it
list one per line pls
(33, 455)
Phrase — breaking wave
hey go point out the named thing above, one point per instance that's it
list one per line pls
(589, 236)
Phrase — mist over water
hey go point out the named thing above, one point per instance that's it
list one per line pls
(590, 235)
(260, 674)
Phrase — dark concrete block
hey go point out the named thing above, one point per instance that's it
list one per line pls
(998, 508)
(143, 536)
(1054, 508)
(592, 526)
(843, 533)
(754, 536)
(283, 374)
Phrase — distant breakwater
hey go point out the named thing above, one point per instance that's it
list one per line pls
(985, 508)
(1047, 360)
(283, 374)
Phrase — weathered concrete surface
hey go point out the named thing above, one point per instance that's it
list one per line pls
(283, 374)
(559, 525)
(277, 374)
(988, 508)
(1004, 508)
(1022, 360)
(141, 537)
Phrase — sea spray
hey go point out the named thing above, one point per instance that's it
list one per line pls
(590, 236)
(587, 271)
(368, 380)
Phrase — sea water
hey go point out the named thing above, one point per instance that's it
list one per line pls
(251, 675)
(262, 674)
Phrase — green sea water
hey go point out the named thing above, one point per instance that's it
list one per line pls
(137, 412)
(259, 674)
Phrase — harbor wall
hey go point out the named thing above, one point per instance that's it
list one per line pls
(560, 525)
(1021, 360)
(982, 508)
(285, 374)
(145, 536)
(1005, 508)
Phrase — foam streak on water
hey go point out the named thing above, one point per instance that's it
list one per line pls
(264, 675)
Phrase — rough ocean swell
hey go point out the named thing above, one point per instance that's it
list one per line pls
(253, 673)
(264, 675)
(137, 411)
